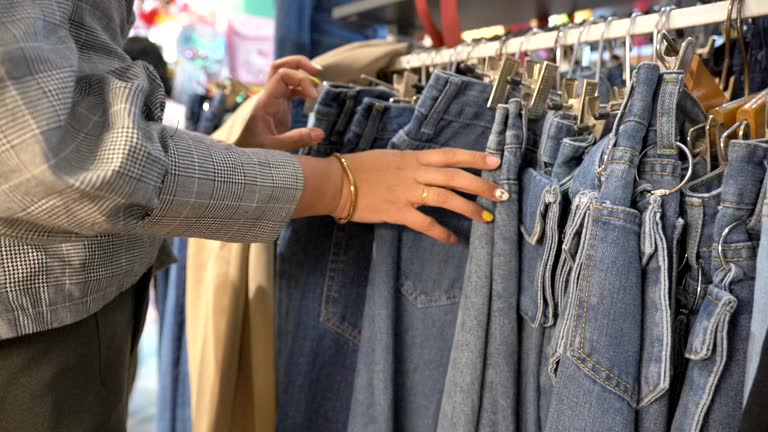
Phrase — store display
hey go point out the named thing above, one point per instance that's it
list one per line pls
(613, 291)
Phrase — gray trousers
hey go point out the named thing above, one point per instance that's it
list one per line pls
(77, 377)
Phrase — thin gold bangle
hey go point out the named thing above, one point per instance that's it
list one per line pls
(352, 189)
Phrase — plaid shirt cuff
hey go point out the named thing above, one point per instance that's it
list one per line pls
(225, 193)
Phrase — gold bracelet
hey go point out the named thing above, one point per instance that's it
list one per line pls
(352, 189)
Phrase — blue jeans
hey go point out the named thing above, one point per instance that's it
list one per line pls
(173, 404)
(713, 392)
(322, 270)
(661, 227)
(539, 227)
(577, 165)
(759, 325)
(598, 382)
(481, 384)
(415, 282)
(375, 123)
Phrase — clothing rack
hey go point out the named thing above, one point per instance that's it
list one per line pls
(694, 16)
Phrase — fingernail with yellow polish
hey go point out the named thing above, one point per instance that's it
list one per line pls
(315, 80)
(487, 216)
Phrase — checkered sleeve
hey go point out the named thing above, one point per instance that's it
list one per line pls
(83, 155)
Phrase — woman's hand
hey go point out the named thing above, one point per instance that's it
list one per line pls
(393, 184)
(270, 122)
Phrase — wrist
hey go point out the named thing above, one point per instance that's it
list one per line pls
(326, 190)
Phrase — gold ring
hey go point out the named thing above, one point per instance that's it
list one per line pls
(424, 195)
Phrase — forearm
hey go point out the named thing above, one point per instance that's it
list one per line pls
(326, 190)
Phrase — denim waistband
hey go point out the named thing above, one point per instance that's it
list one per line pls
(335, 109)
(557, 125)
(375, 122)
(450, 99)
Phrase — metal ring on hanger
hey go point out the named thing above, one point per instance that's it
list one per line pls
(727, 231)
(601, 46)
(628, 48)
(700, 293)
(665, 192)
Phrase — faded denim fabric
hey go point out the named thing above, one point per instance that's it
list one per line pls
(541, 206)
(759, 324)
(659, 169)
(415, 282)
(481, 386)
(713, 392)
(598, 383)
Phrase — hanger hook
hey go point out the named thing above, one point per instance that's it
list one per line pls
(561, 35)
(742, 44)
(601, 46)
(502, 44)
(524, 42)
(577, 49)
(727, 33)
(628, 48)
(472, 46)
(661, 25)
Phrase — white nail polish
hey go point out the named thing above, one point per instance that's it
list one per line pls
(502, 195)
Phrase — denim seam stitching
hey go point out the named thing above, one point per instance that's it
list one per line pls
(736, 205)
(659, 173)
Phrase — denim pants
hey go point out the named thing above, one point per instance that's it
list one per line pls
(713, 392)
(759, 325)
(539, 227)
(699, 206)
(661, 228)
(598, 383)
(322, 271)
(415, 282)
(481, 383)
(580, 192)
(173, 404)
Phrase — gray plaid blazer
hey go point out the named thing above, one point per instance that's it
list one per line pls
(91, 182)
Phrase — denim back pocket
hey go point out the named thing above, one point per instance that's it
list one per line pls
(606, 336)
(432, 273)
(539, 226)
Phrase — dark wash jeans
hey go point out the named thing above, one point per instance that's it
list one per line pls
(481, 386)
(322, 272)
(415, 282)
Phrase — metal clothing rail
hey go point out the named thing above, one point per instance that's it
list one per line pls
(678, 18)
